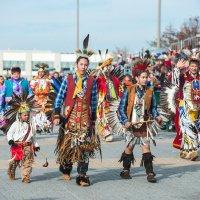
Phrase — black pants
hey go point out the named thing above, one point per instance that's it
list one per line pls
(82, 168)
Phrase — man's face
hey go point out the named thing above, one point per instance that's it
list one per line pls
(142, 79)
(193, 68)
(82, 66)
(16, 75)
(24, 117)
(127, 81)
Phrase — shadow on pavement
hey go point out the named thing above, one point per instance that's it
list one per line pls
(162, 173)
(114, 174)
(96, 175)
(46, 176)
(178, 171)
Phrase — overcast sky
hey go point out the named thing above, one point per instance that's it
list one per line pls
(51, 24)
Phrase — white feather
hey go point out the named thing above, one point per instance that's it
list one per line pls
(113, 119)
(171, 98)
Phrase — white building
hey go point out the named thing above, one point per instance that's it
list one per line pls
(27, 60)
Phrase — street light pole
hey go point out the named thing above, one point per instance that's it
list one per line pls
(77, 28)
(159, 24)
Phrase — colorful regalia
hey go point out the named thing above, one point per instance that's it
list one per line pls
(44, 96)
(21, 135)
(187, 90)
(138, 113)
(77, 140)
(109, 91)
(141, 110)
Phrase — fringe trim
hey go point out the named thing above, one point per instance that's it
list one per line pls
(74, 154)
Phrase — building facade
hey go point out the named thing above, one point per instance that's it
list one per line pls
(27, 60)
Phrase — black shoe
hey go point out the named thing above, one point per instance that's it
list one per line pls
(125, 174)
(151, 178)
(83, 181)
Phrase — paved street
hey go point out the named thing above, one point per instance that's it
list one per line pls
(177, 179)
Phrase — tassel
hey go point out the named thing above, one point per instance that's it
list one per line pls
(142, 163)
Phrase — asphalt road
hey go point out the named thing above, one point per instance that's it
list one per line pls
(177, 179)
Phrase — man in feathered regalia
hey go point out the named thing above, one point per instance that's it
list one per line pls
(44, 96)
(109, 90)
(77, 140)
(186, 81)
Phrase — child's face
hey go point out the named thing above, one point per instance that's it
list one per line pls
(142, 79)
(16, 75)
(24, 117)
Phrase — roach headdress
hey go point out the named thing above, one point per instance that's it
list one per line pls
(84, 52)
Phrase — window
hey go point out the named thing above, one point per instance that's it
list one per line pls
(7, 65)
(67, 66)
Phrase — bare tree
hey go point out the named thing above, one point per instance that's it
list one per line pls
(188, 29)
(121, 53)
(168, 36)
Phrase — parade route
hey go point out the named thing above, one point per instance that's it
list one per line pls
(177, 179)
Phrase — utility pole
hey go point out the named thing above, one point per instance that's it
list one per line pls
(77, 25)
(159, 24)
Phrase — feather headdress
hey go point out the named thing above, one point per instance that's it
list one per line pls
(140, 65)
(42, 66)
(85, 52)
(106, 60)
(18, 105)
